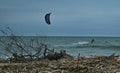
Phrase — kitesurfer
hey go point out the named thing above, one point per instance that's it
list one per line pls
(92, 41)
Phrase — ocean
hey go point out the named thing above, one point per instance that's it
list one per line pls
(75, 45)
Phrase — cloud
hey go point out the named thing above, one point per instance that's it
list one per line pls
(80, 17)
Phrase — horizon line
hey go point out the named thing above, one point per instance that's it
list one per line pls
(64, 35)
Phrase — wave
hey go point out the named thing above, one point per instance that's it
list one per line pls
(81, 43)
(88, 46)
(85, 44)
(62, 45)
(73, 44)
(96, 46)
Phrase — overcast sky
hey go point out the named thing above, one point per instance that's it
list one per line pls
(69, 17)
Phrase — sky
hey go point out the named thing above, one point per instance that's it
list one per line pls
(68, 18)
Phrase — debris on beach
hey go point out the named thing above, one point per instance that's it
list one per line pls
(96, 64)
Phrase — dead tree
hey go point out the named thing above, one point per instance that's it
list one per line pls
(18, 47)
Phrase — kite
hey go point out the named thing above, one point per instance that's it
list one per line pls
(47, 18)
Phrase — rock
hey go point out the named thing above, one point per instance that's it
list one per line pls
(53, 67)
(46, 72)
(118, 60)
(57, 71)
(65, 71)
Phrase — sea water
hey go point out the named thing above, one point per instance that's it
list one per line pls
(75, 45)
(83, 45)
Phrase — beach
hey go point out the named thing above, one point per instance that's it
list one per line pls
(94, 64)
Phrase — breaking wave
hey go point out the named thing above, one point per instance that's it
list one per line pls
(85, 44)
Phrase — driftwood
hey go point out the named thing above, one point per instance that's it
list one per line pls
(47, 54)
(56, 56)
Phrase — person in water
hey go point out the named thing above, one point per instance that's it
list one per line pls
(92, 41)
